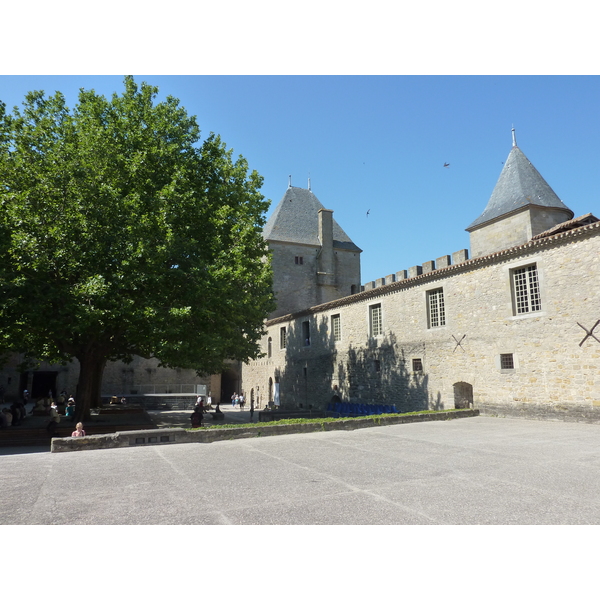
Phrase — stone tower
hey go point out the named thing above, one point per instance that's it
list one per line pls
(521, 206)
(314, 261)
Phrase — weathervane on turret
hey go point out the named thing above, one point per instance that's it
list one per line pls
(309, 182)
(514, 137)
(290, 183)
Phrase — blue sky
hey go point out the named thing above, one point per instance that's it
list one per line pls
(379, 143)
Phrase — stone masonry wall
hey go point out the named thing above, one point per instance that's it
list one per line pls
(553, 374)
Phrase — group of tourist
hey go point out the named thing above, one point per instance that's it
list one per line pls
(238, 399)
(13, 415)
(46, 406)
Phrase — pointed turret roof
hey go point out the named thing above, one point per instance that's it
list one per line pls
(296, 220)
(519, 185)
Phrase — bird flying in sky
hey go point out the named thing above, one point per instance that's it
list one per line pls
(446, 164)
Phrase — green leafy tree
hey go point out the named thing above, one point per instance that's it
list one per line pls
(121, 234)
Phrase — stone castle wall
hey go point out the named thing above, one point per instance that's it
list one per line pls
(553, 374)
(141, 376)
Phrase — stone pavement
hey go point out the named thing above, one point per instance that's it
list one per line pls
(479, 470)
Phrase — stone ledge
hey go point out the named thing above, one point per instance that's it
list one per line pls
(152, 437)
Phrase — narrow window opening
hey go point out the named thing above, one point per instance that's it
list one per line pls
(336, 328)
(282, 338)
(436, 307)
(375, 324)
(306, 333)
(526, 290)
(506, 361)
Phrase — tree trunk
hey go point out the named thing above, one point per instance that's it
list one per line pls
(96, 398)
(91, 368)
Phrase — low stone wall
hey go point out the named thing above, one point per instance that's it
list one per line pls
(151, 437)
(543, 412)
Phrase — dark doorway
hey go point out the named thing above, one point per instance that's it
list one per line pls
(463, 395)
(43, 383)
(230, 382)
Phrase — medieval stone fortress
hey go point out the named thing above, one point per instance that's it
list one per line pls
(510, 328)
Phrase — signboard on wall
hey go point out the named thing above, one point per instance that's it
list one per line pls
(200, 390)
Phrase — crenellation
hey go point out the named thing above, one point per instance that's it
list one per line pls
(428, 267)
(443, 261)
(460, 256)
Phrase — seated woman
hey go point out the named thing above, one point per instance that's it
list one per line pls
(79, 431)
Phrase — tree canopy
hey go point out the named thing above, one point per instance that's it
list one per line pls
(121, 234)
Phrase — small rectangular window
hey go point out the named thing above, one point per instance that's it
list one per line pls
(299, 260)
(375, 322)
(336, 328)
(282, 338)
(306, 333)
(417, 364)
(506, 361)
(377, 366)
(436, 308)
(526, 290)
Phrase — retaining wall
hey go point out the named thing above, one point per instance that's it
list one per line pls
(151, 437)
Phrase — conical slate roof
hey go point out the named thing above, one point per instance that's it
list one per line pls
(519, 184)
(296, 220)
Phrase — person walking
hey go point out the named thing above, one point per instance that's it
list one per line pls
(251, 409)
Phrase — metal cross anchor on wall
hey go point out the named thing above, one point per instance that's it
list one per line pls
(458, 342)
(589, 333)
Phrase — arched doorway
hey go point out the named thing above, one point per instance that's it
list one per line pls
(230, 381)
(463, 395)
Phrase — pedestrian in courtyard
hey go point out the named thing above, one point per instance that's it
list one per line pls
(234, 398)
(209, 402)
(70, 410)
(79, 431)
(251, 409)
(197, 416)
(54, 419)
(15, 409)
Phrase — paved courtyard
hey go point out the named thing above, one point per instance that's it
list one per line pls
(466, 471)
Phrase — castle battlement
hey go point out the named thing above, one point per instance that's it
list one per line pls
(426, 267)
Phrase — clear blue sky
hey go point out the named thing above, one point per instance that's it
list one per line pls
(379, 143)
